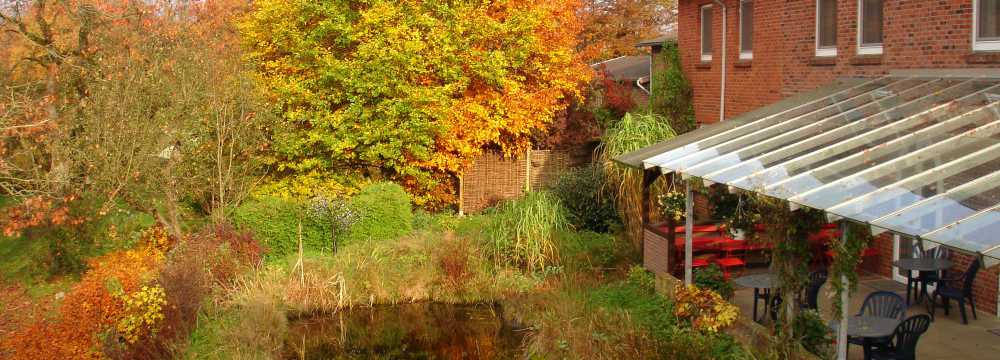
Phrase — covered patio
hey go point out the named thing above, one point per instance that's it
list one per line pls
(947, 337)
(914, 155)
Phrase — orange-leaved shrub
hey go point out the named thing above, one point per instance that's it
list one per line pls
(213, 256)
(91, 309)
(140, 303)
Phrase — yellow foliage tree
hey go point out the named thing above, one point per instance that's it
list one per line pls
(411, 90)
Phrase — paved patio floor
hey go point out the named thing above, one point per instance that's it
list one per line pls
(946, 339)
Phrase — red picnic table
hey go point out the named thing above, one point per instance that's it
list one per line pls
(706, 228)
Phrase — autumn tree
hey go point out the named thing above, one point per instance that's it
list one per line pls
(612, 28)
(410, 90)
(142, 104)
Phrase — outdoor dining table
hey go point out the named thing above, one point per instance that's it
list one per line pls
(759, 282)
(921, 264)
(867, 328)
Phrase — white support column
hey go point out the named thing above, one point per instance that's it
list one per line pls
(844, 304)
(688, 232)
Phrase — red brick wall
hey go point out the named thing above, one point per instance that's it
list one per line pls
(918, 34)
(884, 244)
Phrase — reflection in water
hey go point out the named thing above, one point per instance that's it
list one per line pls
(408, 331)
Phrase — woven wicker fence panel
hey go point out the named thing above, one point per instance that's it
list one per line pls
(492, 178)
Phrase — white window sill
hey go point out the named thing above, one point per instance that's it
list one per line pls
(986, 45)
(706, 58)
(870, 50)
(826, 52)
(746, 55)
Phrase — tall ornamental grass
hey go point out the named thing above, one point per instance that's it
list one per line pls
(523, 231)
(633, 132)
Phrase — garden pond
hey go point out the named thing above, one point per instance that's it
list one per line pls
(408, 331)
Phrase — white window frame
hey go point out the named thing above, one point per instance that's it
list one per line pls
(980, 45)
(868, 49)
(744, 55)
(822, 51)
(701, 31)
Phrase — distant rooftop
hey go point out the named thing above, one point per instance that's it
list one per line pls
(659, 40)
(625, 68)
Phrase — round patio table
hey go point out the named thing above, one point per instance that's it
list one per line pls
(920, 264)
(762, 285)
(867, 328)
(923, 264)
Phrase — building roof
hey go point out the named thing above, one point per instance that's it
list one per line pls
(625, 68)
(659, 40)
(916, 153)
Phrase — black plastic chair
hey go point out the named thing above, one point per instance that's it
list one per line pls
(775, 305)
(958, 288)
(816, 281)
(881, 304)
(903, 343)
(811, 301)
(926, 278)
(763, 295)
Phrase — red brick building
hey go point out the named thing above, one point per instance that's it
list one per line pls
(769, 50)
(780, 56)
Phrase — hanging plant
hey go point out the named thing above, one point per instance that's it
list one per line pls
(672, 205)
(737, 212)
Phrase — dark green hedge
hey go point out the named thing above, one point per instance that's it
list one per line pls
(383, 212)
(275, 223)
(583, 193)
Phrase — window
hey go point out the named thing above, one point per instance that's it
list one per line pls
(706, 33)
(826, 27)
(746, 29)
(869, 27)
(986, 25)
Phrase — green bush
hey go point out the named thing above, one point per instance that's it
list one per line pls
(587, 200)
(275, 223)
(383, 212)
(642, 278)
(523, 231)
(711, 277)
(587, 251)
(44, 251)
(813, 333)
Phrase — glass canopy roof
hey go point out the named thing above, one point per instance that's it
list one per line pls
(917, 155)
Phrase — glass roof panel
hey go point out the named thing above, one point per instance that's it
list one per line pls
(976, 233)
(942, 210)
(852, 109)
(890, 98)
(754, 158)
(767, 121)
(849, 156)
(968, 170)
(903, 167)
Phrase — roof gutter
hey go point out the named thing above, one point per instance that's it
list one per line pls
(722, 90)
